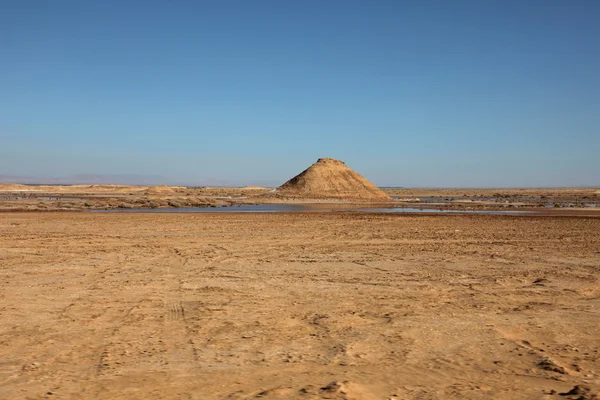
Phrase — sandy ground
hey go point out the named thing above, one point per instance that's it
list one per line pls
(574, 192)
(298, 306)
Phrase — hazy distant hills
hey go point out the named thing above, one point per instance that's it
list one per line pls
(144, 180)
(91, 179)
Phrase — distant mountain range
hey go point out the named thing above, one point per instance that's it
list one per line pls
(143, 180)
(91, 179)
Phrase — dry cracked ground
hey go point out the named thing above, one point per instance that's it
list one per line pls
(328, 305)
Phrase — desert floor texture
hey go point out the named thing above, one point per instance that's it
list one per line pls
(333, 305)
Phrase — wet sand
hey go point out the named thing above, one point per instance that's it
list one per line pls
(331, 305)
(575, 201)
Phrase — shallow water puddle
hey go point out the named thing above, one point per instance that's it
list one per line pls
(268, 208)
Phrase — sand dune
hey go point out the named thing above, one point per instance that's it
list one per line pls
(164, 189)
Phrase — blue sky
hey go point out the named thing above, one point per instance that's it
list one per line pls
(408, 93)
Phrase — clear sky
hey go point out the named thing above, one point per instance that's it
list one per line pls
(408, 93)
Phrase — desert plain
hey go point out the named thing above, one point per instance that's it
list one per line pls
(299, 305)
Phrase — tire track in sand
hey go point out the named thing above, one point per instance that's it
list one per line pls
(180, 349)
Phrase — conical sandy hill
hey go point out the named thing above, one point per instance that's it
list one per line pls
(331, 179)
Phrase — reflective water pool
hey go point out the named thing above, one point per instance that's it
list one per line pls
(267, 208)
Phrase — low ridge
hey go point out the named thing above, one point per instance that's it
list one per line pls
(159, 189)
